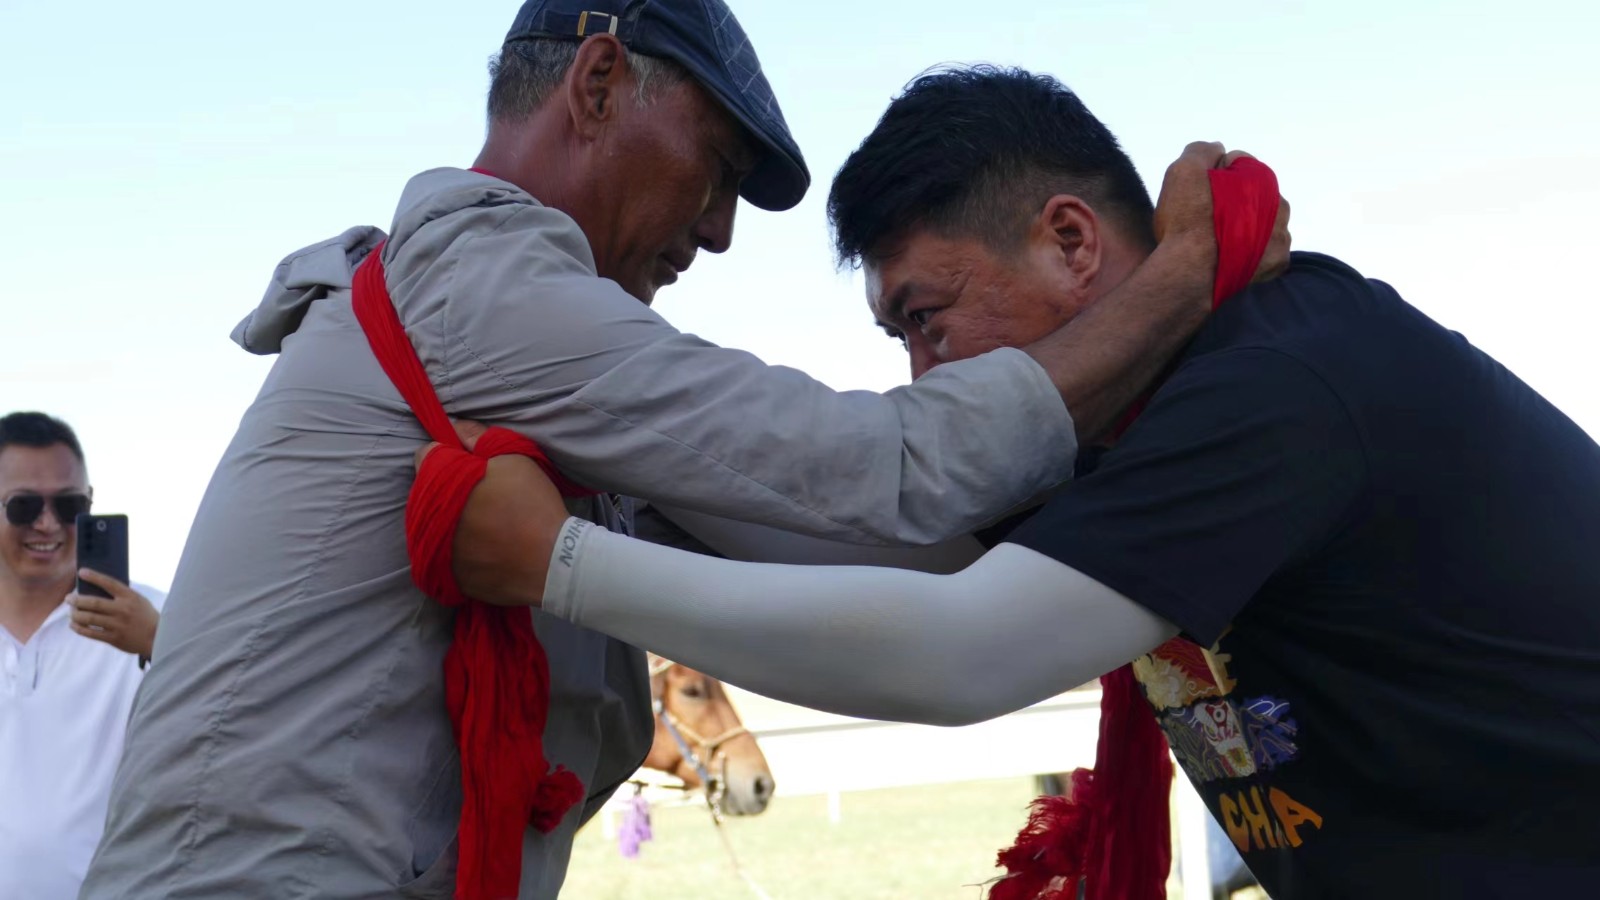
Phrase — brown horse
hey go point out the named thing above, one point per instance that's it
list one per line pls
(700, 739)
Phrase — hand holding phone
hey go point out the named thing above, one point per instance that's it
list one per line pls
(106, 609)
(103, 547)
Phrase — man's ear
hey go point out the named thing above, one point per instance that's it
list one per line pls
(1075, 232)
(593, 84)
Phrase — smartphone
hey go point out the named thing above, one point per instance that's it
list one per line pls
(103, 547)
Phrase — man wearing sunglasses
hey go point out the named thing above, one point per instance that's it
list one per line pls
(64, 700)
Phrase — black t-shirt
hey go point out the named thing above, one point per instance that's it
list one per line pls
(1389, 547)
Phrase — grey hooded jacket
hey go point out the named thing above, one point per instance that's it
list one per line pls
(290, 739)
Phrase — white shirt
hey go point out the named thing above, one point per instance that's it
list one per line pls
(64, 702)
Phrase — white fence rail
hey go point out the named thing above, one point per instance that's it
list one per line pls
(817, 753)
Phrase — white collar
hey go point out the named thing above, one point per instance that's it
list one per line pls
(61, 611)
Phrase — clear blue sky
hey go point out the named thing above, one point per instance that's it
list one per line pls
(159, 160)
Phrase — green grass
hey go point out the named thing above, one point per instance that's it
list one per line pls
(924, 842)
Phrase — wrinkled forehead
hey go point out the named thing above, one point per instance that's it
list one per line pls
(884, 267)
(920, 262)
(872, 274)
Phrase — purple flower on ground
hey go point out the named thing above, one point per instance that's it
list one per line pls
(635, 828)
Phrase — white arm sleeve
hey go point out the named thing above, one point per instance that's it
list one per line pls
(760, 543)
(1010, 630)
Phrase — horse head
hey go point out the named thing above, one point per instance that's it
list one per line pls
(700, 739)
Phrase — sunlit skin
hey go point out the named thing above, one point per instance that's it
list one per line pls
(37, 560)
(953, 297)
(650, 184)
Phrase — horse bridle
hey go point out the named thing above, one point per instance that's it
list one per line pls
(701, 753)
(709, 752)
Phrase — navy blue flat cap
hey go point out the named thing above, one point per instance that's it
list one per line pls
(704, 38)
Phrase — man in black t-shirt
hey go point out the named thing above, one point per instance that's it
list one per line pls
(1355, 562)
(1381, 549)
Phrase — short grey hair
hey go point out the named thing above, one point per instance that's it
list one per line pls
(525, 73)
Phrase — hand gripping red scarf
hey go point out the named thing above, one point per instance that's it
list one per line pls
(496, 676)
(1112, 831)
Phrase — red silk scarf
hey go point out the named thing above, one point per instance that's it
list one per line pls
(496, 675)
(1113, 830)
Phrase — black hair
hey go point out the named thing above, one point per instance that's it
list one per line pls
(976, 151)
(35, 429)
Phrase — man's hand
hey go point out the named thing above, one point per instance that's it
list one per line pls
(127, 621)
(1184, 212)
(502, 545)
(1111, 353)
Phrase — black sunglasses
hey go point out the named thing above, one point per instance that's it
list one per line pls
(25, 509)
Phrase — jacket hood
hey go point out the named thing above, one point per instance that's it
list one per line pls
(304, 276)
